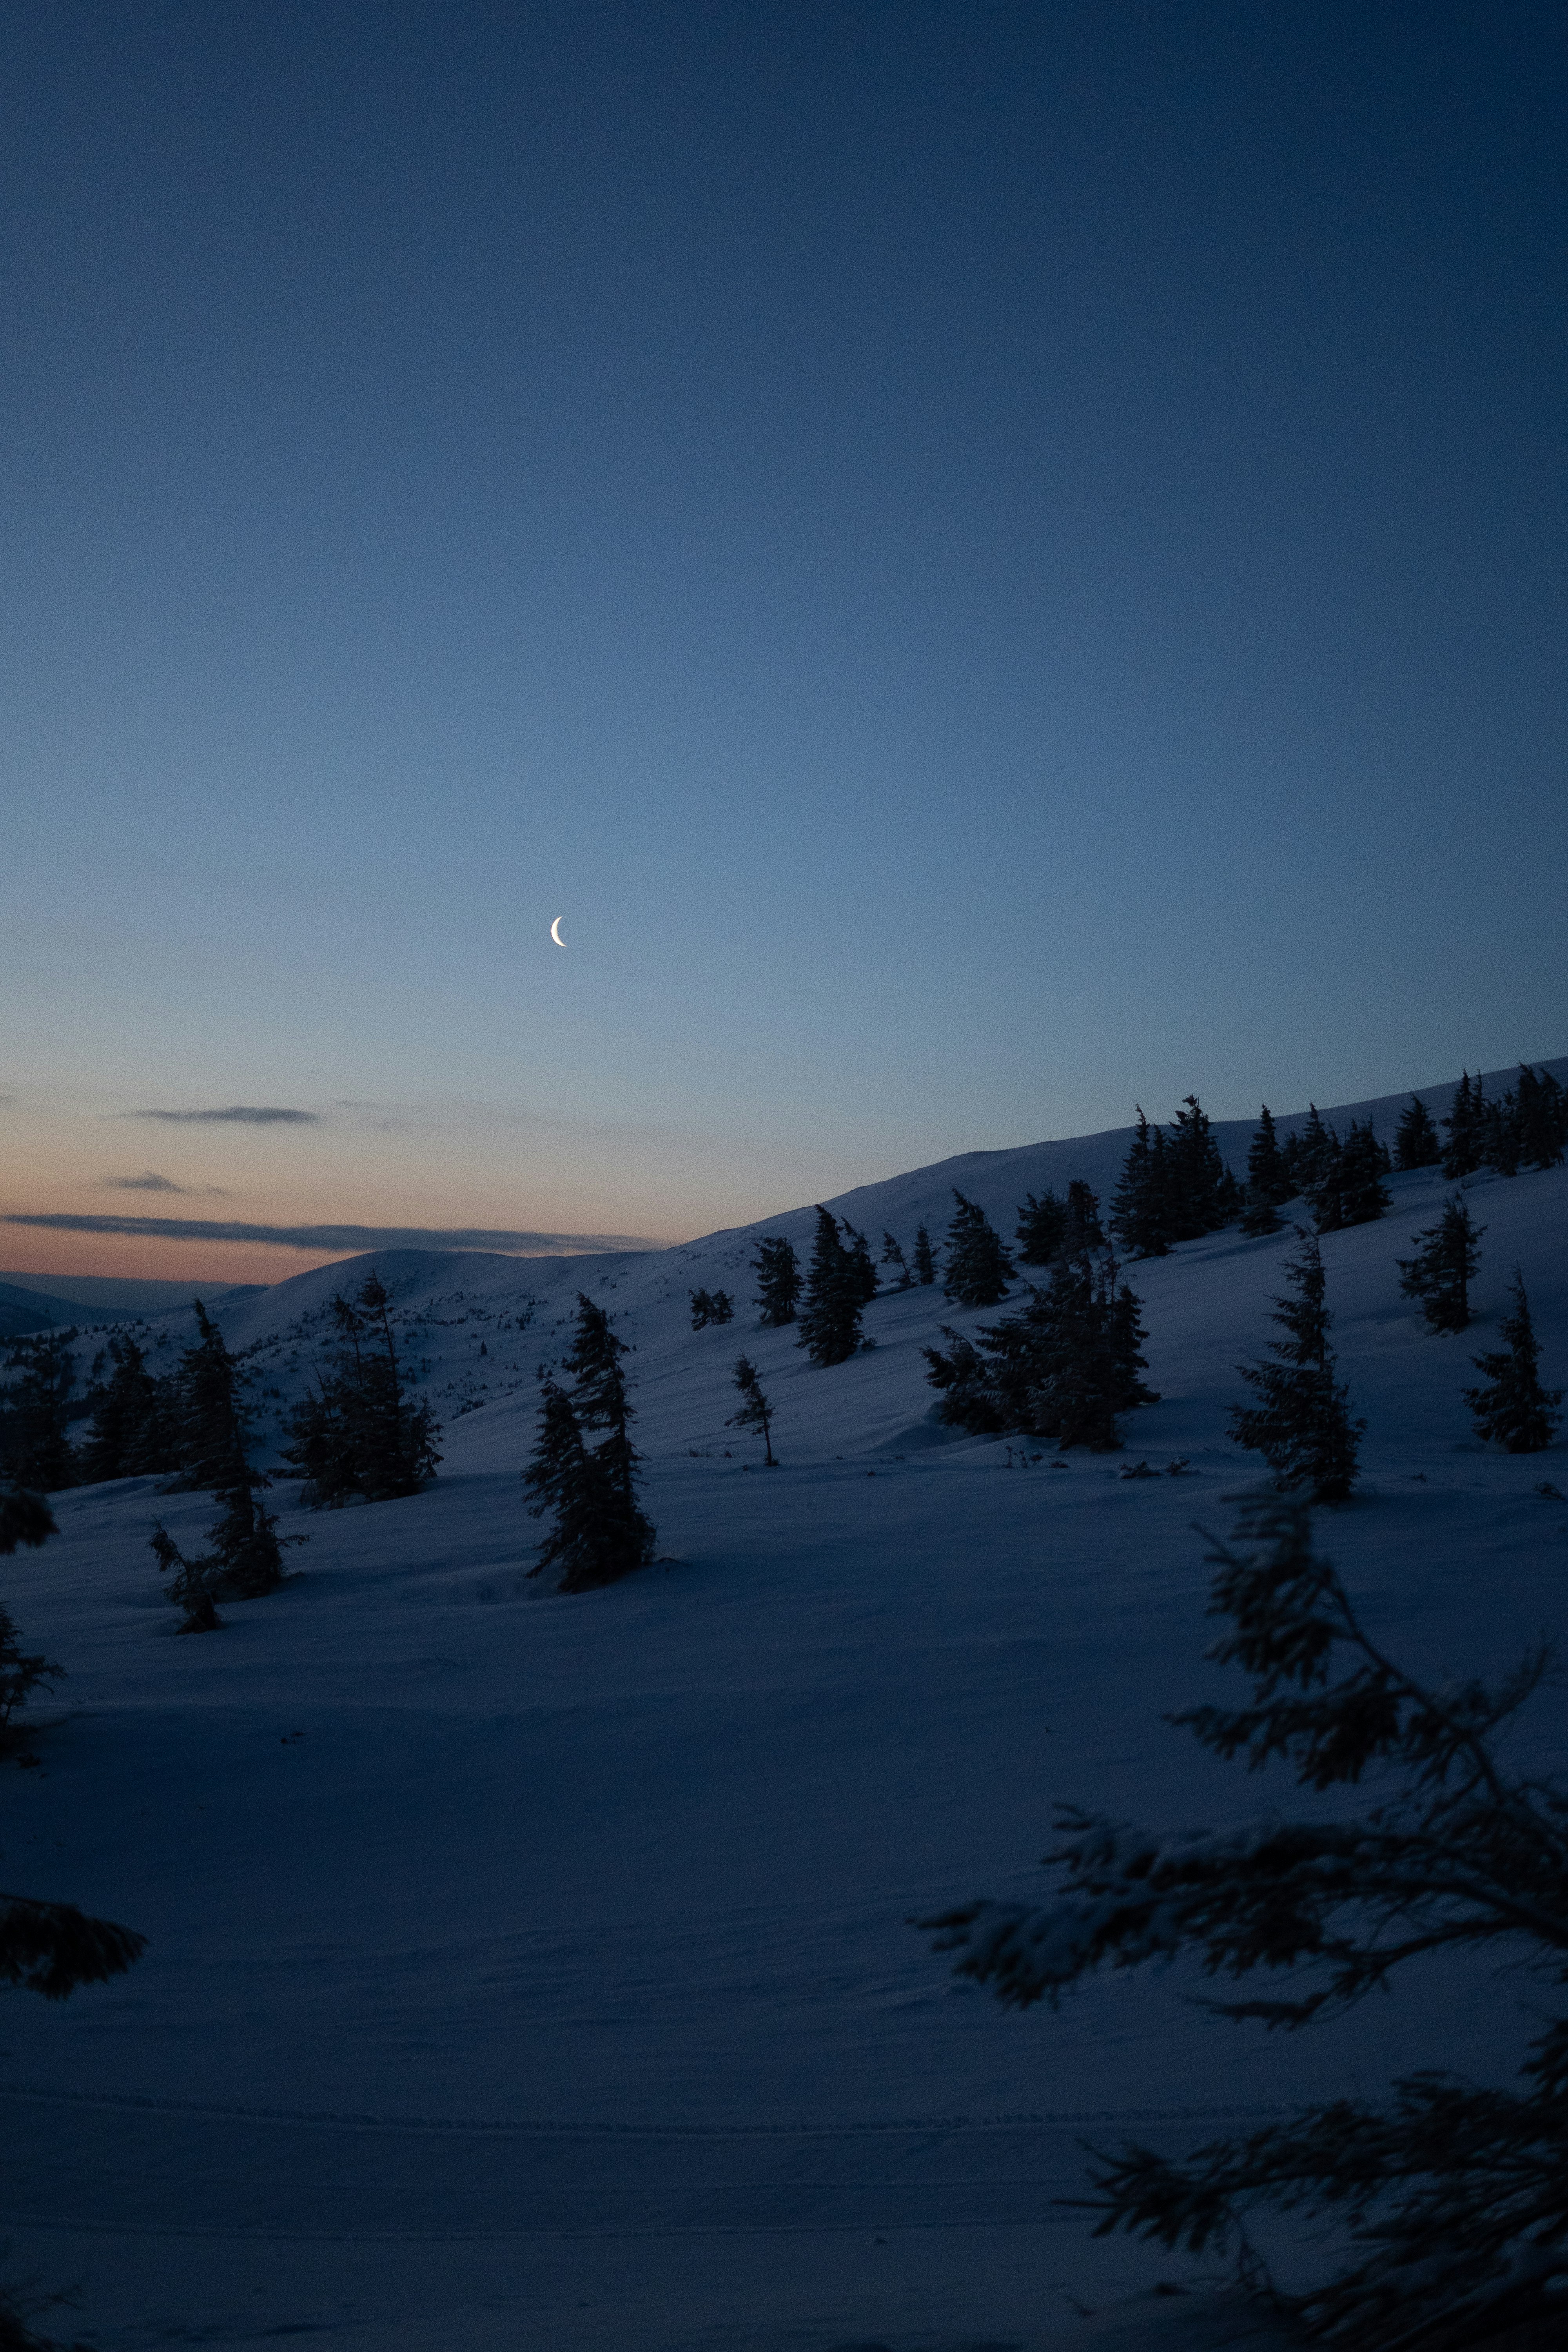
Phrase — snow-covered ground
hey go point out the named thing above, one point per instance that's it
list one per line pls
(535, 1971)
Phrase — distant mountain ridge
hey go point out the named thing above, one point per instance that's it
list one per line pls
(46, 1302)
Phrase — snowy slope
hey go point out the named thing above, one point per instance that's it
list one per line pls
(533, 1971)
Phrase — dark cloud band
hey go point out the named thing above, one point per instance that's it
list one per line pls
(242, 1113)
(341, 1238)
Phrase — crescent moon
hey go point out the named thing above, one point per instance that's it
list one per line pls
(555, 930)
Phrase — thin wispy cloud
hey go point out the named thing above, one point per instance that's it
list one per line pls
(236, 1114)
(151, 1182)
(343, 1237)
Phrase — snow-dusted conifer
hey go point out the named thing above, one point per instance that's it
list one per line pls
(130, 1436)
(755, 1412)
(830, 1316)
(1511, 1409)
(923, 1257)
(360, 1433)
(1267, 1184)
(1083, 1230)
(978, 1267)
(892, 1255)
(212, 1434)
(862, 1274)
(599, 1532)
(1041, 1228)
(1362, 1164)
(1466, 1128)
(1456, 2194)
(1301, 1423)
(1442, 1270)
(702, 1309)
(1063, 1367)
(777, 1270)
(1417, 1143)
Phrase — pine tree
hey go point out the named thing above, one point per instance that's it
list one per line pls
(1266, 1186)
(1455, 2194)
(1083, 1230)
(1139, 1206)
(131, 1434)
(600, 1531)
(1301, 1423)
(212, 1439)
(1063, 1367)
(777, 1269)
(1317, 1148)
(1363, 1162)
(830, 1318)
(1512, 1410)
(1041, 1229)
(924, 1257)
(1440, 1273)
(755, 1412)
(1416, 1140)
(723, 1309)
(702, 1309)
(1204, 1194)
(587, 1537)
(978, 1268)
(35, 1411)
(358, 1435)
(892, 1255)
(1466, 1128)
(1542, 1113)
(863, 1276)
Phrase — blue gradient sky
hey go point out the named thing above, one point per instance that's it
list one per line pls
(990, 562)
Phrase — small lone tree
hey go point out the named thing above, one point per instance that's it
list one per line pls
(755, 1412)
(600, 1531)
(1455, 2196)
(1512, 1410)
(978, 1268)
(1417, 1143)
(1441, 1272)
(1301, 1423)
(830, 1318)
(777, 1270)
(892, 1255)
(191, 1582)
(924, 1258)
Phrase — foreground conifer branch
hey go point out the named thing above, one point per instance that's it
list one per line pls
(1456, 2198)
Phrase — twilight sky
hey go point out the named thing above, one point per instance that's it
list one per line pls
(989, 560)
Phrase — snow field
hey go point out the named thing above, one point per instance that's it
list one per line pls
(535, 1970)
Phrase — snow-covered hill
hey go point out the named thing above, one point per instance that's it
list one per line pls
(529, 1970)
